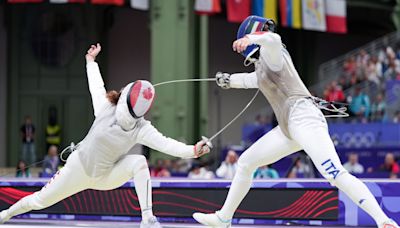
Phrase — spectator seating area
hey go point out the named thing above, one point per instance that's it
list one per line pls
(367, 78)
(364, 83)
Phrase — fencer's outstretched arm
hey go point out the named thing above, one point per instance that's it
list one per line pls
(238, 80)
(243, 81)
(96, 83)
(151, 137)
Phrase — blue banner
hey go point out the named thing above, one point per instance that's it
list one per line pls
(347, 135)
(359, 135)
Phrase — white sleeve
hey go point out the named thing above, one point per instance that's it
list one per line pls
(221, 171)
(244, 81)
(96, 87)
(151, 137)
(271, 48)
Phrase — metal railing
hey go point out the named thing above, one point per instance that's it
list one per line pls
(333, 69)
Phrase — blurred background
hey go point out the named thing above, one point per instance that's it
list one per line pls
(346, 51)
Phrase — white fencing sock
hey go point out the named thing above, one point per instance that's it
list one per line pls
(240, 186)
(143, 190)
(358, 192)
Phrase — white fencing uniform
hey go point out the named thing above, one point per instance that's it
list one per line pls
(301, 126)
(100, 161)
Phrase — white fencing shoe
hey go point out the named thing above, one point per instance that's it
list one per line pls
(389, 224)
(150, 223)
(211, 220)
(4, 217)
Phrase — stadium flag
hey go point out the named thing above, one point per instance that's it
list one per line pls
(314, 15)
(207, 7)
(336, 16)
(257, 7)
(238, 10)
(140, 4)
(24, 1)
(109, 2)
(271, 9)
(66, 1)
(265, 8)
(291, 13)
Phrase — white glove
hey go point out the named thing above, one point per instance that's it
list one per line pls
(223, 80)
(201, 149)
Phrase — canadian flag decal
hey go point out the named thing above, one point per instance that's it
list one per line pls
(148, 94)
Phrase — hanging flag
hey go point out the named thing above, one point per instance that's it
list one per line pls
(314, 15)
(265, 8)
(207, 7)
(290, 13)
(336, 16)
(271, 9)
(66, 1)
(257, 8)
(140, 4)
(109, 2)
(24, 1)
(238, 10)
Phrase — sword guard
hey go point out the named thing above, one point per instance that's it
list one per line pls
(207, 141)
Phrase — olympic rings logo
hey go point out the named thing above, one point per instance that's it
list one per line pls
(396, 90)
(356, 139)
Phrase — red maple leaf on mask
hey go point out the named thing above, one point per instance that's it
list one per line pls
(147, 94)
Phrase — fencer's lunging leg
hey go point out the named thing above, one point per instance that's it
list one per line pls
(308, 127)
(270, 148)
(22, 206)
(68, 181)
(131, 166)
(358, 192)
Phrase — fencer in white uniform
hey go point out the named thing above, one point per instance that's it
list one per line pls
(100, 160)
(301, 124)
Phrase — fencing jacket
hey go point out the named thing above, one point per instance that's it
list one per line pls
(275, 76)
(106, 143)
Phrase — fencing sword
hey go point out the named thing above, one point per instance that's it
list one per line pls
(209, 140)
(185, 80)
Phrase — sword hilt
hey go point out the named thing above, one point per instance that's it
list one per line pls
(207, 141)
